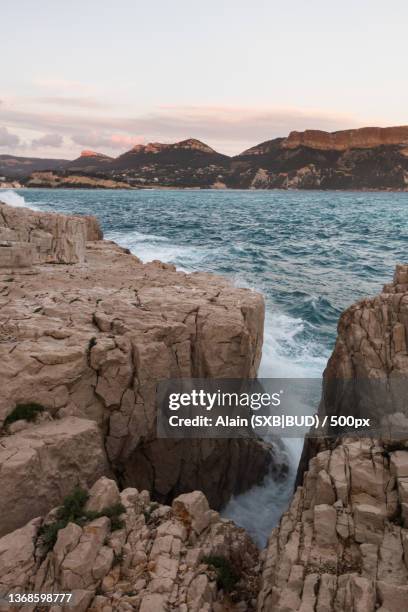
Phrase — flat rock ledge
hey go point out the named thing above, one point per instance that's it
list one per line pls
(159, 559)
(86, 341)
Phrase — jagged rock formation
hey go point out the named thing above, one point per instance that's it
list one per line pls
(368, 369)
(157, 558)
(372, 334)
(92, 340)
(343, 544)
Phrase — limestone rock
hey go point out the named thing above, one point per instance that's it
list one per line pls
(325, 525)
(28, 237)
(41, 465)
(361, 138)
(193, 510)
(347, 522)
(17, 559)
(90, 341)
(103, 494)
(148, 564)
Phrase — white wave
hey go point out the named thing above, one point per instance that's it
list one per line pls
(258, 510)
(12, 198)
(149, 247)
(283, 356)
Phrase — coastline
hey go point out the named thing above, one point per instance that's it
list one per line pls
(96, 334)
(215, 189)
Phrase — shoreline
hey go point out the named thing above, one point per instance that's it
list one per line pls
(212, 190)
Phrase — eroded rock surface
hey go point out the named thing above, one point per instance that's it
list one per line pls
(42, 464)
(92, 340)
(362, 138)
(157, 559)
(29, 237)
(343, 544)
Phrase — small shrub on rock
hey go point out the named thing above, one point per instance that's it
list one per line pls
(73, 511)
(226, 576)
(27, 412)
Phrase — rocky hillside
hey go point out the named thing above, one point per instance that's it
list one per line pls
(89, 161)
(188, 163)
(370, 158)
(366, 158)
(13, 166)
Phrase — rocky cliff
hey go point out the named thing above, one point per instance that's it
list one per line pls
(123, 552)
(83, 345)
(86, 331)
(343, 544)
(362, 138)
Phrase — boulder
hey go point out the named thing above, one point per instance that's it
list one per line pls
(193, 510)
(103, 494)
(41, 465)
(41, 237)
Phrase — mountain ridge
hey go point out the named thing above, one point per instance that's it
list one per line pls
(363, 158)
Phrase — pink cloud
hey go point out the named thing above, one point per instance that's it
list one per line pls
(121, 140)
(101, 139)
(227, 129)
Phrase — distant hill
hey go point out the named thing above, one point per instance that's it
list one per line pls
(90, 161)
(13, 166)
(187, 153)
(365, 158)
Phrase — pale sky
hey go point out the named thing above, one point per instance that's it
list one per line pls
(105, 74)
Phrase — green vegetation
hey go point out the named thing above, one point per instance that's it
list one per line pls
(28, 412)
(226, 576)
(73, 511)
(148, 511)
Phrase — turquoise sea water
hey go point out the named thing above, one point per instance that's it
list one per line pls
(310, 253)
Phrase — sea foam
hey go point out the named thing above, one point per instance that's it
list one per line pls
(12, 198)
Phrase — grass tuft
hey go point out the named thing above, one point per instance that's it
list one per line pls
(73, 511)
(27, 412)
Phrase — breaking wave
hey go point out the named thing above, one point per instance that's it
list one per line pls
(12, 198)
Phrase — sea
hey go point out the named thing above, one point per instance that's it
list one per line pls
(311, 254)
